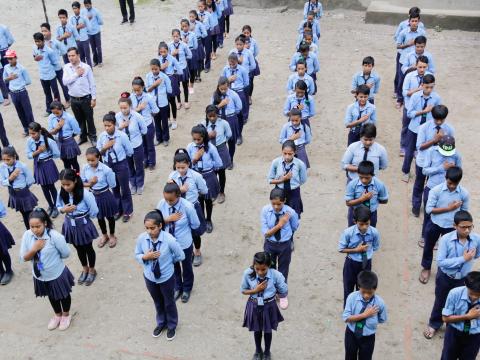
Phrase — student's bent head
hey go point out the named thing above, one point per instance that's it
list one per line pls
(171, 193)
(361, 216)
(463, 223)
(154, 223)
(428, 84)
(366, 171)
(420, 44)
(295, 117)
(288, 150)
(362, 93)
(63, 16)
(367, 64)
(472, 282)
(277, 199)
(453, 177)
(39, 221)
(367, 282)
(368, 133)
(439, 114)
(422, 65)
(261, 263)
(181, 161)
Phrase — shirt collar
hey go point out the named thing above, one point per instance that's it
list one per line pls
(357, 231)
(362, 300)
(45, 235)
(445, 188)
(465, 296)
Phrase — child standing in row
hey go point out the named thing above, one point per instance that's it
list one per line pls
(6, 243)
(367, 77)
(182, 53)
(359, 113)
(299, 133)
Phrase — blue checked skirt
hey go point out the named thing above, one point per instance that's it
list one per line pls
(69, 148)
(203, 224)
(82, 233)
(212, 183)
(262, 318)
(22, 200)
(107, 204)
(45, 172)
(224, 155)
(6, 239)
(58, 288)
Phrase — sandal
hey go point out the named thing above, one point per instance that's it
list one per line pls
(421, 243)
(112, 242)
(429, 333)
(102, 241)
(424, 276)
(398, 106)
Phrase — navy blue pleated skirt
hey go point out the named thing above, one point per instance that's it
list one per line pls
(45, 172)
(262, 318)
(82, 233)
(294, 200)
(212, 183)
(224, 155)
(301, 154)
(69, 148)
(184, 76)
(229, 9)
(193, 62)
(234, 126)
(203, 225)
(22, 200)
(175, 85)
(56, 289)
(256, 72)
(107, 204)
(6, 239)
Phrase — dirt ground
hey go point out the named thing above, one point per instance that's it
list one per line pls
(115, 317)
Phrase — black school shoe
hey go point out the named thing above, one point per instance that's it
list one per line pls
(124, 21)
(55, 213)
(177, 295)
(6, 278)
(117, 216)
(416, 212)
(170, 334)
(158, 331)
(185, 296)
(267, 357)
(209, 227)
(257, 356)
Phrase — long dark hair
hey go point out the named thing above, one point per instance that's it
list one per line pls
(40, 214)
(210, 109)
(71, 175)
(36, 127)
(260, 258)
(217, 95)
(201, 130)
(157, 218)
(181, 156)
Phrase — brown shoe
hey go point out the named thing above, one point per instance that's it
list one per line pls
(112, 242)
(103, 240)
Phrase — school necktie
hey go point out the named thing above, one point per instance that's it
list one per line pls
(183, 179)
(127, 130)
(364, 254)
(365, 79)
(365, 153)
(278, 234)
(155, 78)
(171, 228)
(438, 128)
(467, 324)
(60, 132)
(37, 265)
(214, 140)
(139, 100)
(420, 79)
(37, 146)
(111, 151)
(366, 203)
(295, 131)
(223, 110)
(156, 264)
(64, 31)
(286, 185)
(424, 116)
(176, 46)
(164, 60)
(359, 325)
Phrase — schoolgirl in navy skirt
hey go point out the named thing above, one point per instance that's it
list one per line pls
(46, 249)
(79, 206)
(170, 66)
(100, 179)
(214, 30)
(190, 39)
(42, 148)
(262, 284)
(6, 243)
(196, 26)
(227, 12)
(219, 10)
(182, 53)
(18, 178)
(251, 44)
(204, 16)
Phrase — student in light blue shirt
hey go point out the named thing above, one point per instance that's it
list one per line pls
(462, 315)
(367, 77)
(262, 285)
(364, 310)
(300, 100)
(406, 38)
(313, 66)
(204, 16)
(46, 249)
(189, 38)
(311, 23)
(237, 75)
(47, 61)
(358, 114)
(251, 45)
(182, 53)
(244, 55)
(180, 219)
(300, 74)
(6, 40)
(158, 253)
(171, 67)
(409, 60)
(95, 18)
(315, 6)
(366, 190)
(65, 33)
(81, 28)
(404, 23)
(299, 133)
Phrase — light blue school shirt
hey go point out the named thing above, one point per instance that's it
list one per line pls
(191, 39)
(355, 189)
(254, 48)
(6, 38)
(170, 253)
(268, 219)
(184, 53)
(210, 159)
(300, 39)
(82, 34)
(184, 226)
(199, 29)
(310, 6)
(279, 168)
(70, 41)
(410, 59)
(88, 206)
(275, 283)
(403, 25)
(288, 130)
(433, 165)
(355, 153)
(22, 80)
(205, 18)
(352, 237)
(293, 79)
(51, 256)
(52, 152)
(136, 127)
(450, 254)
(457, 303)
(407, 35)
(313, 66)
(105, 176)
(292, 102)
(248, 62)
(234, 105)
(315, 27)
(48, 65)
(241, 82)
(196, 184)
(95, 18)
(222, 128)
(150, 108)
(173, 65)
(213, 19)
(426, 132)
(412, 81)
(361, 79)
(69, 129)
(355, 112)
(24, 179)
(418, 102)
(160, 93)
(354, 306)
(440, 197)
(59, 49)
(120, 150)
(3, 210)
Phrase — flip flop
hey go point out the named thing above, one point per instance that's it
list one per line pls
(398, 106)
(424, 279)
(429, 333)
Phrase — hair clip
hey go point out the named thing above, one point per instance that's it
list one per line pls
(125, 95)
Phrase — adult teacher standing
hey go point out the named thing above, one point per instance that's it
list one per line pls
(78, 78)
(123, 9)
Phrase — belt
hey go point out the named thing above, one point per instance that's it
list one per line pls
(89, 96)
(18, 189)
(238, 90)
(265, 301)
(299, 146)
(99, 191)
(18, 91)
(79, 216)
(45, 159)
(205, 171)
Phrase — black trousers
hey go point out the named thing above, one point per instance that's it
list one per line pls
(123, 9)
(358, 348)
(83, 112)
(351, 269)
(457, 345)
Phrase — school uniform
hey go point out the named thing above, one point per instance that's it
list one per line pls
(441, 224)
(301, 39)
(68, 42)
(60, 49)
(50, 275)
(214, 25)
(81, 36)
(69, 149)
(106, 202)
(231, 113)
(45, 171)
(308, 111)
(452, 270)
(20, 197)
(201, 34)
(116, 159)
(305, 138)
(362, 79)
(6, 40)
(181, 230)
(46, 67)
(357, 152)
(78, 228)
(95, 18)
(134, 131)
(3, 132)
(252, 45)
(261, 311)
(291, 187)
(279, 244)
(355, 189)
(248, 63)
(311, 6)
(207, 165)
(207, 40)
(6, 243)
(360, 336)
(315, 27)
(190, 39)
(418, 102)
(160, 95)
(158, 274)
(171, 70)
(151, 109)
(219, 10)
(294, 78)
(224, 133)
(313, 65)
(354, 112)
(19, 94)
(410, 60)
(241, 83)
(357, 262)
(462, 339)
(184, 53)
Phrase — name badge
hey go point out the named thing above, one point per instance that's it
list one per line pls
(458, 275)
(260, 301)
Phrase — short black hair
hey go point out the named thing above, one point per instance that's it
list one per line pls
(62, 12)
(303, 47)
(73, 48)
(472, 281)
(439, 112)
(429, 79)
(414, 10)
(454, 174)
(361, 214)
(366, 168)
(172, 188)
(277, 193)
(363, 89)
(422, 59)
(368, 61)
(45, 25)
(38, 37)
(155, 62)
(462, 215)
(420, 40)
(367, 280)
(369, 131)
(87, 2)
(76, 4)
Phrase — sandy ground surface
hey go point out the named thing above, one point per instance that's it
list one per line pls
(114, 318)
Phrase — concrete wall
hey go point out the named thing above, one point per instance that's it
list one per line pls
(298, 4)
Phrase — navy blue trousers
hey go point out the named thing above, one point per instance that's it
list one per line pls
(418, 187)
(443, 285)
(411, 144)
(96, 44)
(373, 217)
(281, 253)
(3, 133)
(351, 269)
(59, 75)
(403, 132)
(122, 190)
(22, 104)
(395, 81)
(207, 41)
(84, 50)
(162, 132)
(3, 86)
(49, 87)
(458, 346)
(149, 146)
(426, 217)
(401, 78)
(136, 169)
(358, 348)
(184, 271)
(354, 135)
(164, 300)
(432, 233)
